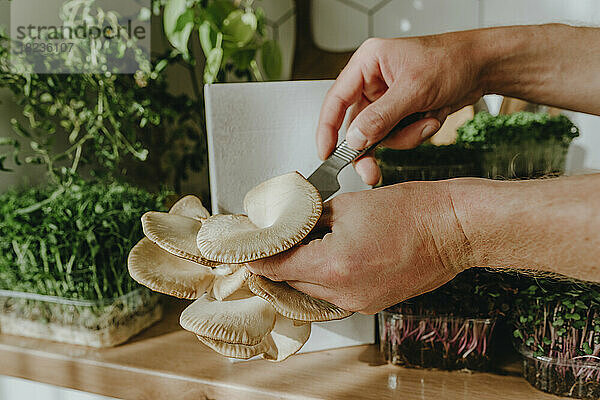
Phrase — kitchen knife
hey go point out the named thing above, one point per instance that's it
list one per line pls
(325, 178)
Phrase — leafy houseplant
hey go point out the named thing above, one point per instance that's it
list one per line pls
(231, 34)
(557, 329)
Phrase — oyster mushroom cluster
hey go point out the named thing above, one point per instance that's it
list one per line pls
(188, 253)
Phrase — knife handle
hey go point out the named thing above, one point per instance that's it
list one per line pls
(348, 154)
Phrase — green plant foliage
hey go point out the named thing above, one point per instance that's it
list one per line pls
(487, 131)
(71, 241)
(271, 59)
(108, 120)
(231, 37)
(178, 22)
(558, 319)
(474, 293)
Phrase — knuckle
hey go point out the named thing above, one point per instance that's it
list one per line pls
(265, 269)
(340, 269)
(354, 304)
(376, 122)
(372, 43)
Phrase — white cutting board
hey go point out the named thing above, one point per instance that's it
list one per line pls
(260, 130)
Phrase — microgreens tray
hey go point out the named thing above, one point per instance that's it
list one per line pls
(577, 377)
(97, 323)
(444, 342)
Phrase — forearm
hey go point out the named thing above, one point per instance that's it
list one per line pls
(557, 65)
(548, 225)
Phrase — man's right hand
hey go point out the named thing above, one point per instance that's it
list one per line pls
(389, 79)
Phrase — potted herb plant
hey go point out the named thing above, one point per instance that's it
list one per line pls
(557, 330)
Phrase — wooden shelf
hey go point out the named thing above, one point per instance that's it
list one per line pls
(167, 362)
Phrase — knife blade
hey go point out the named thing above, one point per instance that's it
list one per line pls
(325, 177)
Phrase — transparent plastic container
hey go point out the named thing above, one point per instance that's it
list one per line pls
(429, 341)
(524, 160)
(96, 323)
(403, 173)
(577, 377)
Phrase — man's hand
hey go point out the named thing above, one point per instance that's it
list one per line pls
(392, 243)
(389, 79)
(386, 245)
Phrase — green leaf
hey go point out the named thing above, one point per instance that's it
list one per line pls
(213, 65)
(242, 58)
(204, 33)
(46, 98)
(178, 22)
(218, 10)
(161, 65)
(580, 304)
(239, 27)
(272, 59)
(587, 349)
(568, 303)
(579, 324)
(517, 333)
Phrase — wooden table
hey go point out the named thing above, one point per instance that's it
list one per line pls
(166, 362)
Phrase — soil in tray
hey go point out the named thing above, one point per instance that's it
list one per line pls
(419, 354)
(559, 380)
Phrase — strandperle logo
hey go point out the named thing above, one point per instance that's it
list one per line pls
(82, 31)
(80, 36)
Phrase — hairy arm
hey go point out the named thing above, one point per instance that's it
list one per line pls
(549, 225)
(389, 79)
(557, 65)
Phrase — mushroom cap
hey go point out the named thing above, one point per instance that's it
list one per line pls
(294, 304)
(235, 350)
(190, 206)
(163, 272)
(281, 212)
(225, 285)
(176, 234)
(285, 339)
(242, 318)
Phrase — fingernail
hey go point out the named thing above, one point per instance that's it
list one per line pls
(356, 139)
(360, 173)
(428, 131)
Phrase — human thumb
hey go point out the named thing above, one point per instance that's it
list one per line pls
(373, 123)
